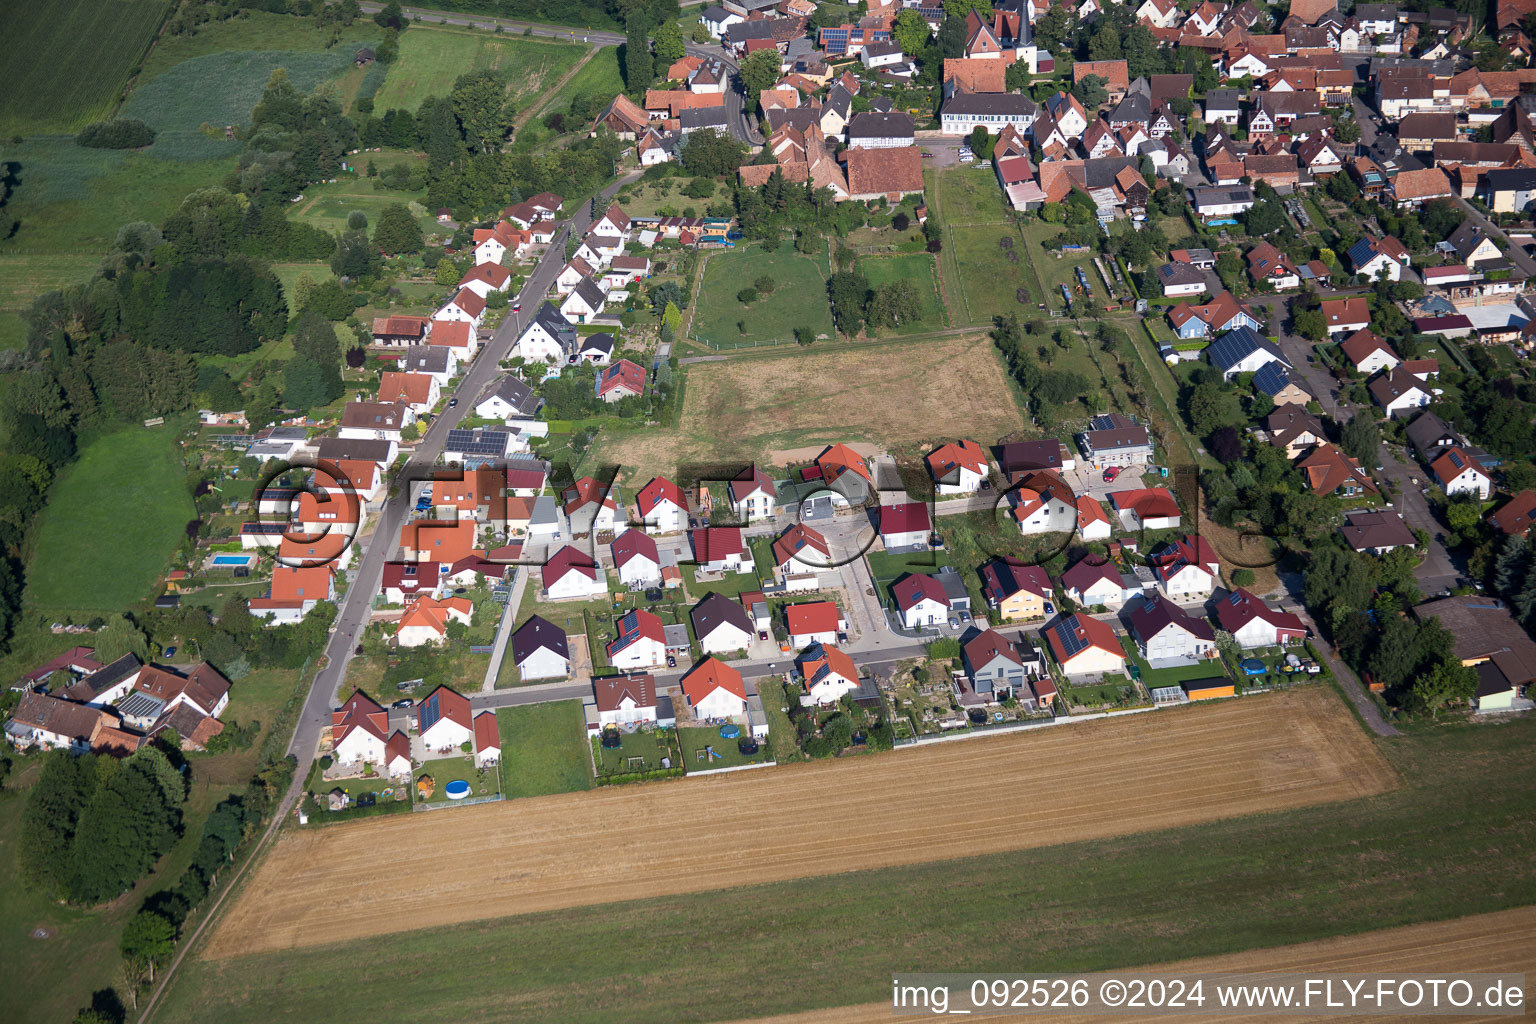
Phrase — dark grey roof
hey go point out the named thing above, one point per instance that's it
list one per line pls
(103, 679)
(549, 318)
(1377, 530)
(716, 609)
(1235, 346)
(1518, 179)
(874, 125)
(1272, 378)
(1155, 614)
(425, 359)
(839, 99)
(798, 118)
(1101, 173)
(1007, 104)
(702, 117)
(1179, 273)
(1428, 432)
(366, 450)
(535, 634)
(1222, 99)
(1135, 108)
(590, 293)
(598, 343)
(515, 393)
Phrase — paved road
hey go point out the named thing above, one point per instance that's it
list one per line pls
(354, 612)
(743, 124)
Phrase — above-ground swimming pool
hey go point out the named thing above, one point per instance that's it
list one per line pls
(232, 559)
(458, 789)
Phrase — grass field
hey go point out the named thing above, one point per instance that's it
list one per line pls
(1221, 887)
(327, 206)
(544, 749)
(112, 521)
(256, 30)
(1282, 751)
(981, 278)
(920, 269)
(456, 767)
(72, 59)
(799, 298)
(431, 57)
(698, 742)
(600, 77)
(1056, 271)
(221, 89)
(24, 278)
(751, 407)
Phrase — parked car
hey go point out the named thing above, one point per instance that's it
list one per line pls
(1111, 473)
(517, 307)
(403, 703)
(1049, 609)
(965, 616)
(168, 652)
(671, 661)
(452, 402)
(762, 634)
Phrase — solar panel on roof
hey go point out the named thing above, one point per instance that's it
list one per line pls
(1071, 640)
(430, 713)
(466, 441)
(264, 529)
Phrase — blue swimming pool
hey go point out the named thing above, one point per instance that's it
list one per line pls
(458, 789)
(232, 560)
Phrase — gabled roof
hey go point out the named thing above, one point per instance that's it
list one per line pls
(622, 375)
(710, 675)
(1352, 310)
(538, 634)
(1515, 515)
(821, 661)
(360, 711)
(1454, 463)
(946, 462)
(1327, 468)
(1155, 613)
(915, 588)
(1070, 635)
(796, 539)
(658, 490)
(1233, 347)
(1273, 378)
(715, 543)
(514, 392)
(811, 617)
(1366, 530)
(469, 302)
(1241, 607)
(1087, 571)
(749, 481)
(1360, 345)
(986, 647)
(565, 561)
(717, 610)
(908, 517)
(433, 613)
(610, 692)
(1387, 388)
(1001, 579)
(633, 544)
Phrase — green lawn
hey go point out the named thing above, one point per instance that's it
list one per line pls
(71, 59)
(799, 298)
(650, 745)
(432, 57)
(24, 278)
(257, 30)
(327, 206)
(544, 749)
(1056, 271)
(111, 524)
(600, 78)
(697, 741)
(1405, 856)
(982, 277)
(1106, 694)
(460, 767)
(920, 269)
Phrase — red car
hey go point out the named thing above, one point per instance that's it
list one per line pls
(1111, 473)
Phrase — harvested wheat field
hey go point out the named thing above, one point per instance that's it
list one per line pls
(1486, 943)
(743, 408)
(1098, 779)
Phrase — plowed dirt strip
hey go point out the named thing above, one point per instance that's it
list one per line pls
(1051, 786)
(1488, 943)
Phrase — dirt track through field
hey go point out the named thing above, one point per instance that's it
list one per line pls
(969, 798)
(1486, 943)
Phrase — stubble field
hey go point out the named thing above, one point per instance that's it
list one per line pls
(1055, 786)
(743, 408)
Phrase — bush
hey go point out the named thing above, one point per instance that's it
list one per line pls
(1242, 577)
(120, 133)
(747, 296)
(357, 220)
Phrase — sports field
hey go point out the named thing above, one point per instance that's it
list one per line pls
(743, 408)
(799, 298)
(919, 268)
(70, 59)
(1496, 943)
(432, 57)
(547, 853)
(112, 521)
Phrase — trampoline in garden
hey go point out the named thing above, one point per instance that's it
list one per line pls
(458, 789)
(729, 732)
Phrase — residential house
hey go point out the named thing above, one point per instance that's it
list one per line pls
(1327, 470)
(1510, 190)
(464, 307)
(584, 302)
(418, 392)
(800, 549)
(1043, 503)
(721, 625)
(401, 331)
(1221, 314)
(1268, 264)
(540, 650)
(1413, 189)
(359, 731)
(883, 173)
(1294, 430)
(959, 467)
(382, 421)
(641, 641)
(625, 700)
(752, 495)
(1243, 351)
(662, 506)
(592, 506)
(1220, 203)
(964, 112)
(719, 549)
(829, 674)
(1420, 131)
(1280, 384)
(994, 665)
(714, 690)
(1094, 582)
(1147, 508)
(1375, 258)
(425, 619)
(1015, 592)
(1473, 245)
(1092, 521)
(445, 721)
(813, 622)
(1223, 106)
(295, 592)
(548, 338)
(636, 559)
(920, 601)
(1167, 635)
(508, 398)
(1377, 532)
(1346, 316)
(437, 540)
(904, 527)
(1253, 623)
(1114, 439)
(1399, 392)
(1084, 647)
(1022, 458)
(1187, 569)
(872, 130)
(1514, 517)
(1180, 279)
(1368, 352)
(459, 336)
(571, 573)
(1460, 473)
(436, 361)
(486, 278)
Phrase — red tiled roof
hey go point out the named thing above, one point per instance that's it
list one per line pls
(813, 617)
(709, 675)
